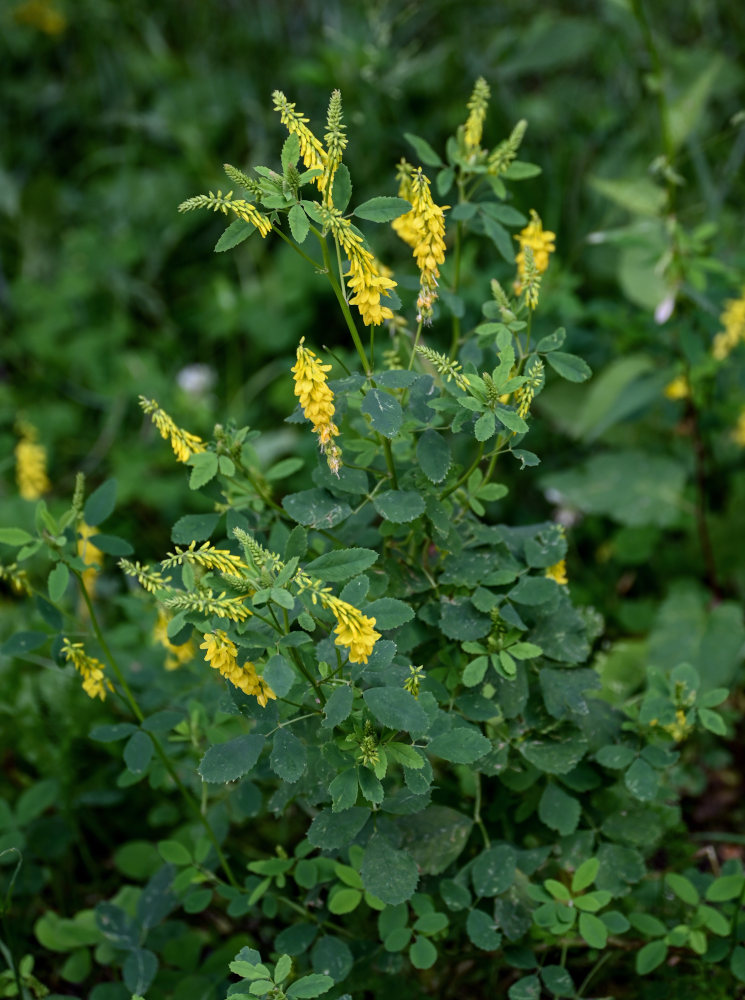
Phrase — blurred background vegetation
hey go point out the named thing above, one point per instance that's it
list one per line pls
(112, 114)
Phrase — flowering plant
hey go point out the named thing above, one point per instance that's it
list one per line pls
(400, 672)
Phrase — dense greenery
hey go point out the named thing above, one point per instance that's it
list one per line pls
(474, 722)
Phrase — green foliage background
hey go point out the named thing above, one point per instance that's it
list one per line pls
(105, 292)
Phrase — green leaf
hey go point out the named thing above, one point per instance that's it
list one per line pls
(139, 969)
(683, 888)
(533, 590)
(423, 150)
(725, 887)
(204, 468)
(338, 706)
(485, 426)
(35, 800)
(642, 781)
(194, 528)
(569, 366)
(389, 613)
(459, 619)
(712, 721)
(344, 900)
(435, 837)
(384, 411)
(15, 537)
(433, 455)
(138, 752)
(650, 956)
(341, 564)
(558, 810)
(289, 757)
(57, 582)
(519, 170)
(615, 757)
(422, 953)
(370, 786)
(382, 209)
(100, 503)
(431, 923)
(238, 231)
(332, 957)
(402, 753)
(494, 870)
(309, 986)
(343, 790)
(316, 508)
(229, 761)
(482, 931)
(554, 757)
(334, 830)
(509, 419)
(399, 506)
(551, 342)
(299, 224)
(737, 963)
(23, 642)
(341, 191)
(282, 969)
(500, 237)
(111, 733)
(396, 709)
(283, 469)
(112, 545)
(174, 853)
(593, 930)
(460, 746)
(387, 873)
(475, 670)
(585, 874)
(557, 980)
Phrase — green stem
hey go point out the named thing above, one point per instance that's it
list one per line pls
(593, 971)
(464, 478)
(296, 248)
(191, 802)
(341, 299)
(477, 812)
(416, 344)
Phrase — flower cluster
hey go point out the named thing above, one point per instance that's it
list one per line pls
(353, 629)
(503, 155)
(16, 578)
(148, 578)
(733, 321)
(31, 464)
(311, 148)
(558, 572)
(95, 684)
(414, 680)
(678, 388)
(541, 241)
(91, 556)
(477, 107)
(206, 556)
(336, 143)
(176, 656)
(221, 654)
(364, 277)
(226, 203)
(423, 229)
(207, 603)
(447, 368)
(317, 402)
(183, 443)
(534, 379)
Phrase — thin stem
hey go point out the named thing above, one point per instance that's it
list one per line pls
(477, 812)
(416, 344)
(464, 478)
(593, 971)
(341, 299)
(192, 804)
(296, 248)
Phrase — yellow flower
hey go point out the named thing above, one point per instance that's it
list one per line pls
(183, 443)
(311, 148)
(541, 241)
(733, 320)
(477, 107)
(176, 655)
(31, 464)
(91, 556)
(317, 402)
(423, 228)
(364, 277)
(678, 388)
(41, 15)
(353, 629)
(95, 684)
(558, 572)
(221, 654)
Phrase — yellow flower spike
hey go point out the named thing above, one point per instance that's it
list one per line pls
(31, 464)
(558, 572)
(317, 402)
(95, 684)
(221, 654)
(733, 321)
(541, 241)
(311, 148)
(423, 229)
(225, 203)
(353, 629)
(477, 107)
(183, 443)
(678, 388)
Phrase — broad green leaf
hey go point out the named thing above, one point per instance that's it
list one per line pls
(194, 528)
(387, 873)
(174, 852)
(343, 790)
(389, 612)
(344, 900)
(642, 781)
(23, 642)
(494, 870)
(593, 930)
(615, 756)
(725, 887)
(423, 150)
(100, 503)
(384, 411)
(289, 757)
(482, 931)
(650, 956)
(341, 191)
(341, 564)
(139, 969)
(238, 231)
(485, 426)
(585, 874)
(422, 953)
(519, 170)
(15, 537)
(554, 757)
(57, 582)
(459, 619)
(433, 455)
(558, 810)
(399, 506)
(569, 366)
(332, 957)
(509, 419)
(435, 837)
(316, 508)
(557, 981)
(460, 746)
(138, 752)
(313, 985)
(299, 224)
(334, 830)
(112, 732)
(338, 706)
(683, 888)
(382, 209)
(499, 236)
(396, 708)
(112, 545)
(229, 761)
